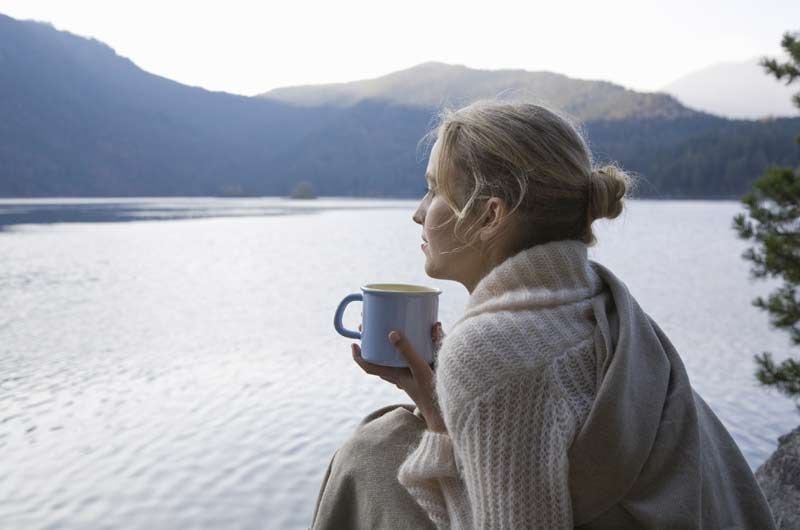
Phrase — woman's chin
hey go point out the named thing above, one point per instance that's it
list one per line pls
(431, 270)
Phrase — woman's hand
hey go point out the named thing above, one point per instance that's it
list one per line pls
(417, 380)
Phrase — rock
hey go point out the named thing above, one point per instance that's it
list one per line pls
(779, 478)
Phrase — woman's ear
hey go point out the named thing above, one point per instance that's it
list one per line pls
(494, 218)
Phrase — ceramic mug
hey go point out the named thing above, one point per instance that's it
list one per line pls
(410, 309)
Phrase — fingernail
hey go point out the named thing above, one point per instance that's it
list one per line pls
(394, 336)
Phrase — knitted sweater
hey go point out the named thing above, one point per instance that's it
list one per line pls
(515, 380)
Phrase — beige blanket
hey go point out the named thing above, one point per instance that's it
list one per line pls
(360, 490)
(652, 454)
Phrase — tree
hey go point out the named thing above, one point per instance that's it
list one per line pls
(773, 223)
(303, 190)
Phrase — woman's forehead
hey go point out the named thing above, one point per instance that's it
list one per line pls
(432, 160)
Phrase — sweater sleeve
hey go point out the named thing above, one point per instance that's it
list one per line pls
(502, 464)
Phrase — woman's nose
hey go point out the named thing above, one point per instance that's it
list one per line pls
(417, 217)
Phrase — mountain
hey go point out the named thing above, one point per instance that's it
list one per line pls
(735, 90)
(80, 120)
(432, 84)
(678, 152)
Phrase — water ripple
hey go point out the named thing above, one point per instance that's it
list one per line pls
(175, 374)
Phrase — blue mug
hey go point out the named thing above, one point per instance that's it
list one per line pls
(410, 309)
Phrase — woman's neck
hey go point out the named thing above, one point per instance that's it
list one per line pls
(485, 261)
(544, 275)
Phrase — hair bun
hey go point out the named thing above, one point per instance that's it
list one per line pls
(609, 186)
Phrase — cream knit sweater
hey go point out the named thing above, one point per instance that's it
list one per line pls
(515, 380)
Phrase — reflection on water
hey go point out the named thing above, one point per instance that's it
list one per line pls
(184, 372)
(103, 210)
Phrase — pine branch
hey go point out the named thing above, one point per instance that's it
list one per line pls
(791, 69)
(785, 377)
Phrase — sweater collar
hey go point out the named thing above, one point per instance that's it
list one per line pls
(544, 275)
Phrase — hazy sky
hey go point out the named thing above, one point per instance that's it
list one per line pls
(251, 47)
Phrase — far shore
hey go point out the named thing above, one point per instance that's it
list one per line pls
(99, 198)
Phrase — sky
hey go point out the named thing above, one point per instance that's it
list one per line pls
(251, 47)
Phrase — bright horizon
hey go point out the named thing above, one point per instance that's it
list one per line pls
(249, 49)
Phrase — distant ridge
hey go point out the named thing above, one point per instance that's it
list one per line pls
(740, 90)
(77, 119)
(431, 84)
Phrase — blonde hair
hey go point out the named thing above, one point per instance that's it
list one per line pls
(532, 158)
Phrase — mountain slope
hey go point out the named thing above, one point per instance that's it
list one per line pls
(79, 117)
(431, 84)
(735, 90)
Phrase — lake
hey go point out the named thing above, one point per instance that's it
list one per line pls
(172, 363)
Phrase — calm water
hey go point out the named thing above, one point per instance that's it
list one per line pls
(180, 369)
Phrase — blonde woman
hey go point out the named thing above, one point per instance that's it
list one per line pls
(555, 401)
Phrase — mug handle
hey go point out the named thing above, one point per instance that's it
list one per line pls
(337, 319)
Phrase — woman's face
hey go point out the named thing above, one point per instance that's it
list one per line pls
(437, 222)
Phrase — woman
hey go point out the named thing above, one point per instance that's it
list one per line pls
(556, 401)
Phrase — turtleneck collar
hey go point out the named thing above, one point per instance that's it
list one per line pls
(545, 275)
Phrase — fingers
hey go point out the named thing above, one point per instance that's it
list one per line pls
(419, 368)
(437, 334)
(387, 373)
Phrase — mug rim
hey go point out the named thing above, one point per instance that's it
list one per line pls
(373, 288)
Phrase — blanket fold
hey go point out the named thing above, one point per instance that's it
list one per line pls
(651, 450)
